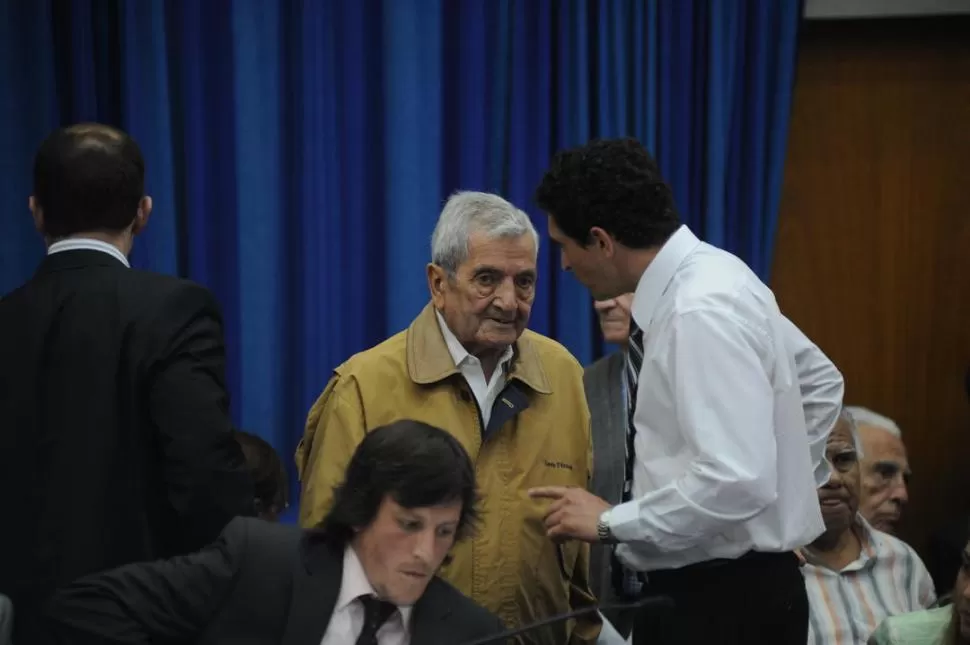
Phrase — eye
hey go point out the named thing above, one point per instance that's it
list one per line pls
(845, 460)
(525, 281)
(446, 531)
(485, 279)
(411, 526)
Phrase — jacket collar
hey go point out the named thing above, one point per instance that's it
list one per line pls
(655, 280)
(77, 259)
(430, 361)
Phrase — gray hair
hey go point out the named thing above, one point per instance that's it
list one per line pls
(468, 212)
(867, 417)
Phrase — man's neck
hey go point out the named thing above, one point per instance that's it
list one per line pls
(121, 241)
(838, 551)
(634, 264)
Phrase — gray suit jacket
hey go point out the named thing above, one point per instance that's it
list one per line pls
(603, 381)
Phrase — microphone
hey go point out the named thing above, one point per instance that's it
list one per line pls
(653, 602)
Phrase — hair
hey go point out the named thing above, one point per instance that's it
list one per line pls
(266, 467)
(88, 177)
(415, 464)
(468, 212)
(613, 184)
(867, 417)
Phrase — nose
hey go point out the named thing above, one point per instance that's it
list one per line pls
(564, 261)
(424, 546)
(835, 477)
(900, 493)
(505, 295)
(603, 305)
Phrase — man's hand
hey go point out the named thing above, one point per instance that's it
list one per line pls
(574, 512)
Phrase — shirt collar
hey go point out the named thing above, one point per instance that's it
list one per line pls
(872, 546)
(87, 244)
(354, 583)
(658, 275)
(458, 352)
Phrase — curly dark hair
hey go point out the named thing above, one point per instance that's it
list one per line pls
(416, 464)
(613, 184)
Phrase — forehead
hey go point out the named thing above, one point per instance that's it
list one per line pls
(879, 443)
(509, 254)
(841, 433)
(439, 514)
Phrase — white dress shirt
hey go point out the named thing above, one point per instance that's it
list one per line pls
(471, 368)
(87, 244)
(822, 389)
(722, 459)
(347, 619)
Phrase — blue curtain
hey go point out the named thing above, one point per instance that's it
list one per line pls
(299, 152)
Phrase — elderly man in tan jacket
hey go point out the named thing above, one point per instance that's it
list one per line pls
(512, 397)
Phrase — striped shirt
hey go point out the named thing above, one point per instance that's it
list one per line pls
(887, 579)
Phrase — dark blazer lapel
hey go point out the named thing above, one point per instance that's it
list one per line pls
(316, 585)
(429, 620)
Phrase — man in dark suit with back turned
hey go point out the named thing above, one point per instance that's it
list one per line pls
(115, 439)
(365, 576)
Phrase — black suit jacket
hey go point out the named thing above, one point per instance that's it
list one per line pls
(259, 584)
(115, 440)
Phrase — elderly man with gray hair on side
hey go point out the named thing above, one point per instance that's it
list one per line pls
(513, 398)
(885, 469)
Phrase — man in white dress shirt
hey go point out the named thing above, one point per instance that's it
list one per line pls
(719, 481)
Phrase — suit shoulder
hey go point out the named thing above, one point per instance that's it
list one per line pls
(265, 540)
(160, 285)
(599, 366)
(473, 616)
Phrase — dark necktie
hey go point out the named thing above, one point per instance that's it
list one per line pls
(376, 613)
(625, 581)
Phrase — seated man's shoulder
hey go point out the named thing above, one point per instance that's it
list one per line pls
(477, 621)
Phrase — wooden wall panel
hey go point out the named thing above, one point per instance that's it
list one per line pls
(873, 249)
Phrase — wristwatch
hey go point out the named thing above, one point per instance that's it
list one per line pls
(603, 531)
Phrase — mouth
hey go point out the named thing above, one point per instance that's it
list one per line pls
(415, 575)
(833, 501)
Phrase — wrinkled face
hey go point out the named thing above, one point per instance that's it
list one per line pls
(591, 264)
(403, 547)
(614, 315)
(487, 302)
(961, 596)
(885, 477)
(839, 498)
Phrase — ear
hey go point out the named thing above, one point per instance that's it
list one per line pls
(437, 284)
(37, 213)
(141, 218)
(603, 241)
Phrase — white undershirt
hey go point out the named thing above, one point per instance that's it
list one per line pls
(471, 368)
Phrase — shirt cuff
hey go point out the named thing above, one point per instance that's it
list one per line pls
(625, 522)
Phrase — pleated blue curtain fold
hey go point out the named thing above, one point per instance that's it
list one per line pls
(298, 152)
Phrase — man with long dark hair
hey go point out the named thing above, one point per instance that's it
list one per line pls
(366, 575)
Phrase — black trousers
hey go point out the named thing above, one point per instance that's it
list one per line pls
(758, 598)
